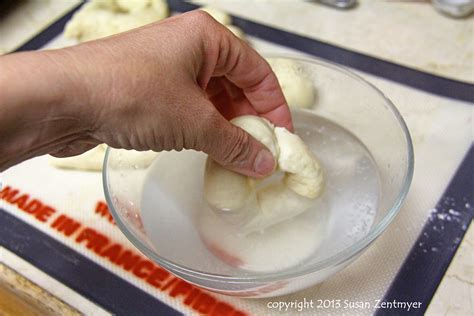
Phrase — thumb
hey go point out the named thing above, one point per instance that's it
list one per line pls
(235, 149)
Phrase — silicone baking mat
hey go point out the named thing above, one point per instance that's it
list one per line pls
(48, 216)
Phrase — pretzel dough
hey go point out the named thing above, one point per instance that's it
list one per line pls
(241, 229)
(93, 159)
(101, 18)
(235, 194)
(296, 86)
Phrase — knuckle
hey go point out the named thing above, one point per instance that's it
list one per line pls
(238, 150)
(230, 143)
(209, 125)
(200, 17)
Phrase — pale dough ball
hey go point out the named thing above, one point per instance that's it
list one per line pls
(99, 19)
(138, 18)
(228, 190)
(132, 5)
(304, 174)
(260, 226)
(224, 189)
(296, 86)
(132, 159)
(105, 4)
(260, 129)
(236, 196)
(91, 22)
(161, 6)
(277, 204)
(93, 159)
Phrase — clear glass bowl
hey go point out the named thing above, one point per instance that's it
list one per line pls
(343, 99)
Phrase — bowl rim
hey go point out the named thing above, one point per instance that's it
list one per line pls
(334, 260)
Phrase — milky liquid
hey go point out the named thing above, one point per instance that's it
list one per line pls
(173, 209)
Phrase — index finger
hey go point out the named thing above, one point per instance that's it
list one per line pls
(252, 73)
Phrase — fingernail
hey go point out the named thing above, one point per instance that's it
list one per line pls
(264, 162)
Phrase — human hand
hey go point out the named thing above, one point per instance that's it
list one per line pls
(170, 85)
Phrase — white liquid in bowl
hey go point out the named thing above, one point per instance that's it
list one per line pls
(173, 209)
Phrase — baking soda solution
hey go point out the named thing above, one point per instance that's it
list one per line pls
(186, 231)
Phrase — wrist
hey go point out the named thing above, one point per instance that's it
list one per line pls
(67, 96)
(37, 106)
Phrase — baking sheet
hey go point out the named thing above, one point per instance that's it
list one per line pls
(24, 19)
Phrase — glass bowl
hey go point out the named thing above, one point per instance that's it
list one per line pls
(365, 149)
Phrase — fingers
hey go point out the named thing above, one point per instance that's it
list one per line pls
(228, 99)
(233, 148)
(244, 67)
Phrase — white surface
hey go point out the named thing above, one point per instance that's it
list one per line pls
(455, 295)
(51, 285)
(296, 86)
(411, 33)
(26, 18)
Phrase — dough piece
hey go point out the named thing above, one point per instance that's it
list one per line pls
(105, 4)
(231, 193)
(296, 86)
(227, 191)
(277, 204)
(131, 5)
(224, 189)
(260, 129)
(124, 159)
(99, 19)
(303, 173)
(93, 159)
(241, 229)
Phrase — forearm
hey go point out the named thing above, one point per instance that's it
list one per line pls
(36, 106)
(147, 89)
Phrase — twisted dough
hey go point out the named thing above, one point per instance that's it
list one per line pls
(258, 208)
(295, 84)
